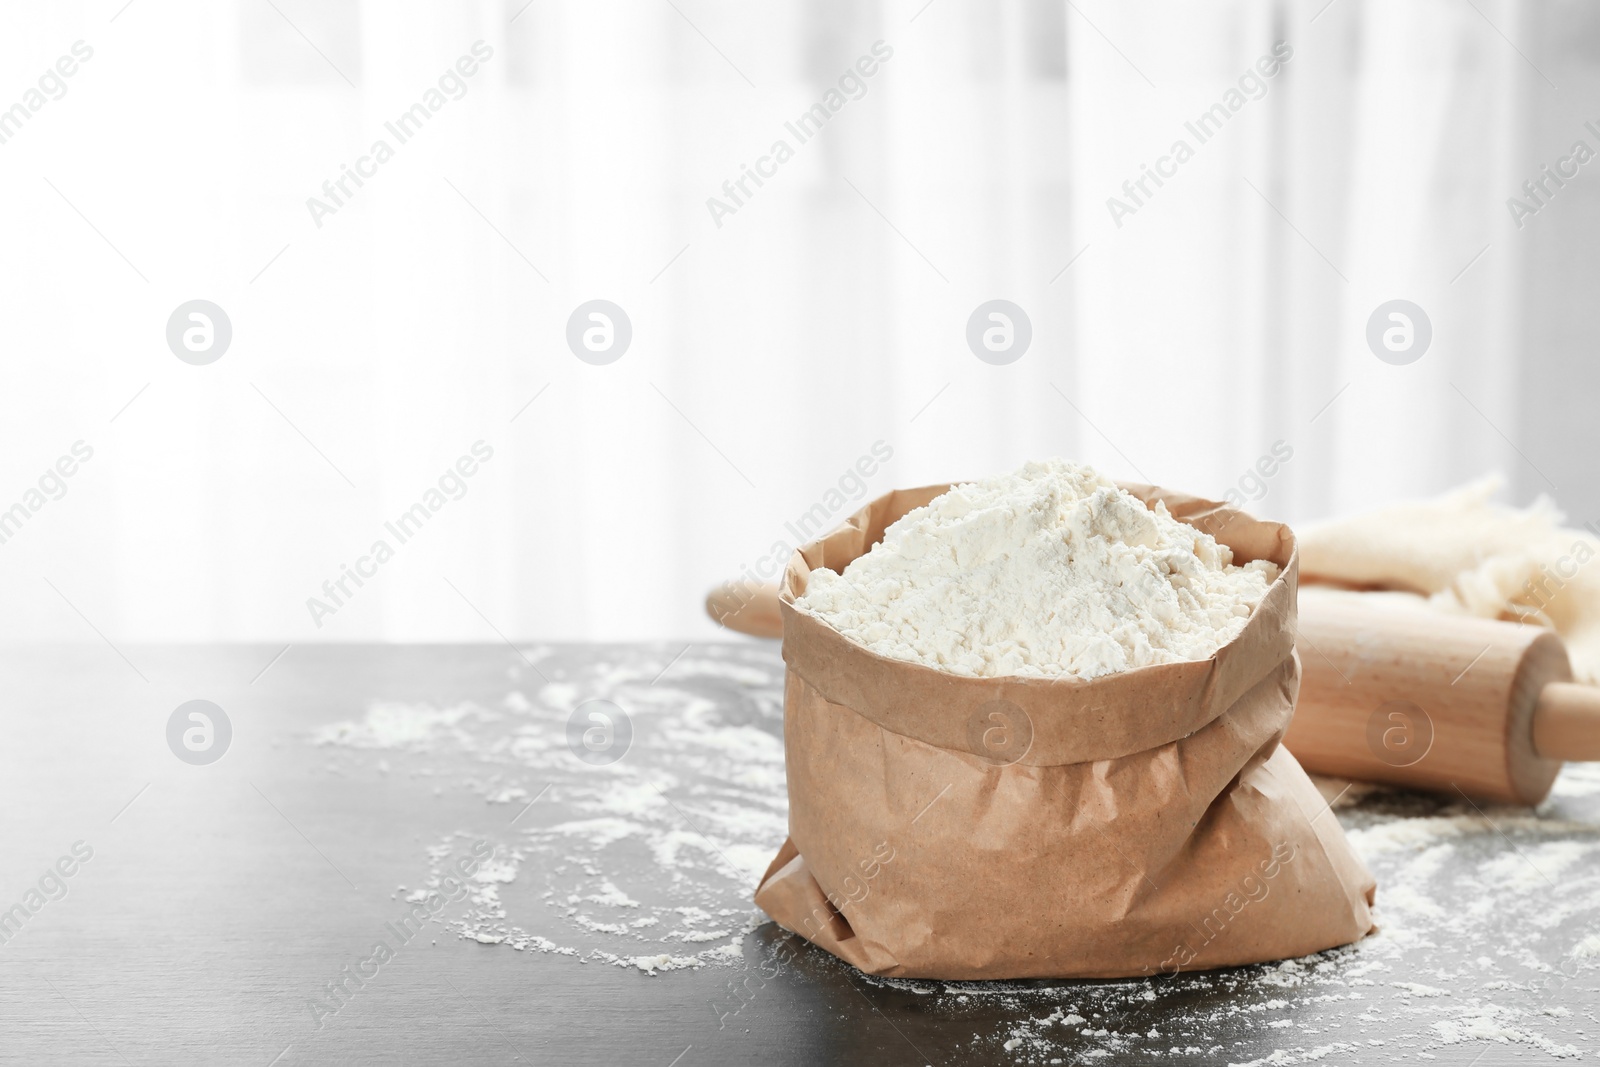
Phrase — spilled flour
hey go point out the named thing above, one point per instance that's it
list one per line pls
(1049, 571)
(646, 862)
(1489, 919)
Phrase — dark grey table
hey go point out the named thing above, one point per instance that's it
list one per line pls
(220, 901)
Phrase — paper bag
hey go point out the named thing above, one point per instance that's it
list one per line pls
(949, 827)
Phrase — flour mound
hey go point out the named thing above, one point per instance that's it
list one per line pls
(1051, 571)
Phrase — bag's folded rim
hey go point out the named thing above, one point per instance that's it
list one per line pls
(1043, 721)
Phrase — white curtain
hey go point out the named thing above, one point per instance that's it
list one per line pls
(1222, 320)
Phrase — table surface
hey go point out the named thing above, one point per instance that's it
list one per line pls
(613, 923)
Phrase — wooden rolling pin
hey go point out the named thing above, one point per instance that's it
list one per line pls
(1394, 694)
(1438, 702)
(748, 609)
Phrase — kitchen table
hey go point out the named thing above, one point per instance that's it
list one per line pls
(231, 911)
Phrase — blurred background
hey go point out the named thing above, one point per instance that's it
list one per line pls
(785, 337)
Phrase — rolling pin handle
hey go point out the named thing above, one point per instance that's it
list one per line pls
(746, 609)
(1566, 722)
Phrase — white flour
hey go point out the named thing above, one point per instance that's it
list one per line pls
(1049, 571)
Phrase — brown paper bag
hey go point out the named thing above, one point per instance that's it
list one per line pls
(1143, 822)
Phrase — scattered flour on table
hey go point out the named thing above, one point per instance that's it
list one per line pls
(1489, 916)
(646, 863)
(399, 726)
(1049, 571)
